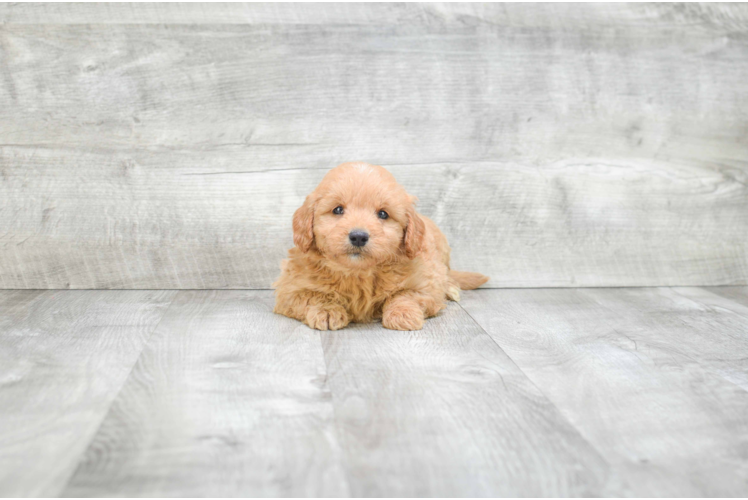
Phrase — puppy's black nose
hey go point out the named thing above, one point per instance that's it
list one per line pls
(358, 238)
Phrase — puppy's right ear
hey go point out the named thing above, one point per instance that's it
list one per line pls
(303, 225)
(413, 238)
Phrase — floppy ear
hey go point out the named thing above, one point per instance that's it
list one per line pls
(413, 237)
(303, 225)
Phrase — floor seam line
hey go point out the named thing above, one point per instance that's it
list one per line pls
(611, 467)
(334, 411)
(116, 396)
(707, 367)
(700, 364)
(721, 297)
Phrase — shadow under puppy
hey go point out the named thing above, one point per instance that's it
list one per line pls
(363, 252)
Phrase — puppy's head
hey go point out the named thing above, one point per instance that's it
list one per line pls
(359, 216)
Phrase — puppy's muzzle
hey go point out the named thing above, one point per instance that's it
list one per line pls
(358, 238)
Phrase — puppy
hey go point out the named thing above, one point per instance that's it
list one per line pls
(362, 253)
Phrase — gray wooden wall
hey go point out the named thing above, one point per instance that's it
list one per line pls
(167, 146)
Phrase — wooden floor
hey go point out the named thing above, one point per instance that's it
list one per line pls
(533, 392)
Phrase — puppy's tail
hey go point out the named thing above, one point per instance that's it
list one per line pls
(468, 281)
(463, 281)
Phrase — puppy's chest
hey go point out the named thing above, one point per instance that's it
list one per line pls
(365, 296)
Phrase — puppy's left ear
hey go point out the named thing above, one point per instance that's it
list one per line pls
(303, 225)
(413, 238)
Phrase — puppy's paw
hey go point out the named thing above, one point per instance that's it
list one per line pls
(328, 317)
(403, 318)
(453, 293)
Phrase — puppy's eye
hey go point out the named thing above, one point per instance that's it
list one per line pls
(338, 210)
(383, 215)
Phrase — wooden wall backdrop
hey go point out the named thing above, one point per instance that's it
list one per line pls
(167, 146)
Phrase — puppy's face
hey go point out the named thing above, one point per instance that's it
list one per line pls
(359, 216)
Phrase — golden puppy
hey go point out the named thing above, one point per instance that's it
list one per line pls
(363, 252)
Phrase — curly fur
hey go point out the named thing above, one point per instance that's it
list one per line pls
(401, 275)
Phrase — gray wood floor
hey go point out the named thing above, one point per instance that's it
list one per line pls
(531, 392)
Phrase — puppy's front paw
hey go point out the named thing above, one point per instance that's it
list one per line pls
(403, 318)
(329, 317)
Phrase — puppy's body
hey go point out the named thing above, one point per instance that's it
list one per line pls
(400, 274)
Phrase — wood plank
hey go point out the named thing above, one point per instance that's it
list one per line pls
(443, 412)
(190, 221)
(403, 93)
(557, 145)
(738, 294)
(624, 366)
(63, 357)
(227, 399)
(698, 325)
(716, 334)
(579, 16)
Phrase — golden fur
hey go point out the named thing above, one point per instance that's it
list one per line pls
(401, 275)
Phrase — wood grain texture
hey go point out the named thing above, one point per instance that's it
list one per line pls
(567, 392)
(398, 93)
(180, 221)
(738, 294)
(63, 358)
(443, 412)
(643, 374)
(227, 399)
(713, 16)
(712, 330)
(557, 145)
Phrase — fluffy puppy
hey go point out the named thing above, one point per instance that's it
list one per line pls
(363, 252)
